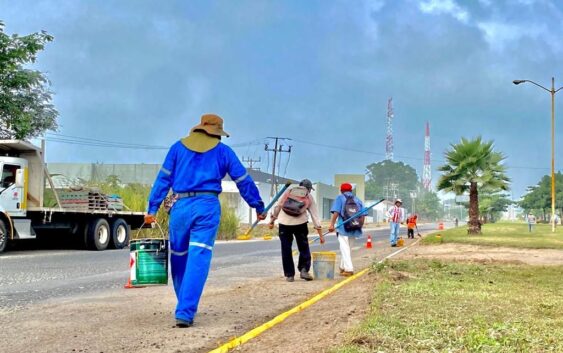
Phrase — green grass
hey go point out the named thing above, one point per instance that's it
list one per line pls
(434, 306)
(229, 226)
(503, 234)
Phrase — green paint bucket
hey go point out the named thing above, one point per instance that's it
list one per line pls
(149, 262)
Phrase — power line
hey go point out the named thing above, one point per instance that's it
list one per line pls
(92, 142)
(286, 164)
(97, 144)
(87, 141)
(399, 156)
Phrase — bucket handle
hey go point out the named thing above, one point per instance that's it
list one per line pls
(152, 226)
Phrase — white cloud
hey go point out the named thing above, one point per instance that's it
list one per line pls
(498, 34)
(527, 2)
(449, 7)
(374, 5)
(370, 25)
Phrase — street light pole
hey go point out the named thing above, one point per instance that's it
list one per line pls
(552, 91)
(552, 155)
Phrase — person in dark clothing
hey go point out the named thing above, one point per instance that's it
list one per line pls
(291, 213)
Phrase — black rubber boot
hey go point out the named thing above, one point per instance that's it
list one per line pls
(184, 323)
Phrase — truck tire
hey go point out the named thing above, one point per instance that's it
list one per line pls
(120, 233)
(98, 234)
(4, 236)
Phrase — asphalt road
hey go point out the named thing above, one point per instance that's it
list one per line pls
(32, 276)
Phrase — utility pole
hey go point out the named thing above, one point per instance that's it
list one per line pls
(427, 170)
(394, 187)
(251, 162)
(278, 148)
(413, 197)
(386, 189)
(389, 136)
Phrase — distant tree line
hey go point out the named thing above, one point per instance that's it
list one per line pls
(538, 197)
(388, 179)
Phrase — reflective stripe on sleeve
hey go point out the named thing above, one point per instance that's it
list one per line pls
(201, 245)
(165, 171)
(178, 253)
(238, 180)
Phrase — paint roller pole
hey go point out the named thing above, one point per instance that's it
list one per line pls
(274, 200)
(356, 215)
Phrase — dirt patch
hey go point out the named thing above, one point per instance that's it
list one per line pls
(485, 254)
(141, 320)
(320, 326)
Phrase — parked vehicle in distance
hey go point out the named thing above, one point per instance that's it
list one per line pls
(23, 215)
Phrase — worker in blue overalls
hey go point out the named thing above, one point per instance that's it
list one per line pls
(194, 168)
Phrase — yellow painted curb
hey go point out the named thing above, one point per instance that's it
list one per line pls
(237, 341)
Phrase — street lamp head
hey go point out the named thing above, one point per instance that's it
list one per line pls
(517, 82)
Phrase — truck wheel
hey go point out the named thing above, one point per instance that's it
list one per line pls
(120, 233)
(3, 236)
(98, 234)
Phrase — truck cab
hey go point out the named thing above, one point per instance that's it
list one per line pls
(13, 190)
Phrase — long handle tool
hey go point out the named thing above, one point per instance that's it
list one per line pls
(246, 235)
(354, 216)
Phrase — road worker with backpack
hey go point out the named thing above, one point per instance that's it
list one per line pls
(291, 214)
(344, 207)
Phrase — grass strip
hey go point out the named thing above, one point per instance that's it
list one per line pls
(435, 306)
(502, 234)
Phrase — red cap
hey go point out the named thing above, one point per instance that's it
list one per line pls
(345, 187)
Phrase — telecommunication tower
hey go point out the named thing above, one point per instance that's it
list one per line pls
(389, 137)
(427, 171)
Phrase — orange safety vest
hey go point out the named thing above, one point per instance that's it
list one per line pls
(411, 223)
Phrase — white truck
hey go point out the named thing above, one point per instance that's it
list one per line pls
(23, 215)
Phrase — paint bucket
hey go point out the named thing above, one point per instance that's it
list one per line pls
(323, 264)
(401, 242)
(150, 258)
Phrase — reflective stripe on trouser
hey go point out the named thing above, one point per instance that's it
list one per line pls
(394, 232)
(193, 226)
(346, 244)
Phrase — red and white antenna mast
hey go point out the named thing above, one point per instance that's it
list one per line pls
(389, 137)
(427, 171)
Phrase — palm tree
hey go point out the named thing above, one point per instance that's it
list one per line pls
(472, 165)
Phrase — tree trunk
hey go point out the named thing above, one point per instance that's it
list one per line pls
(543, 211)
(474, 225)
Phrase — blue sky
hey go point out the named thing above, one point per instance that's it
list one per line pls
(318, 71)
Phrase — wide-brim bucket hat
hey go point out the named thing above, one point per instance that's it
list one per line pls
(211, 124)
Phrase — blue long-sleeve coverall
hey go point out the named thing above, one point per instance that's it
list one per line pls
(194, 220)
